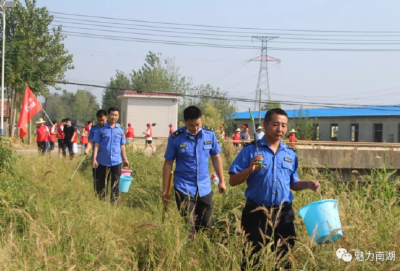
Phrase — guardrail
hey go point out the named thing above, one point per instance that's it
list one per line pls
(318, 144)
(355, 145)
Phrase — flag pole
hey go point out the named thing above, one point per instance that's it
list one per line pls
(47, 116)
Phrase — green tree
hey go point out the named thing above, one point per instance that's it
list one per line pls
(153, 76)
(212, 117)
(36, 55)
(207, 95)
(305, 126)
(121, 80)
(81, 105)
(270, 105)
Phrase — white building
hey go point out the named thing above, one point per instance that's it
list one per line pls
(139, 108)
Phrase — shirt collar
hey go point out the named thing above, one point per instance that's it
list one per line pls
(189, 134)
(109, 126)
(263, 142)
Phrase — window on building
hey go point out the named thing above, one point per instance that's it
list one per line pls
(354, 132)
(317, 131)
(391, 138)
(378, 132)
(334, 132)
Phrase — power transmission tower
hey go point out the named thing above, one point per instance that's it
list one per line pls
(263, 81)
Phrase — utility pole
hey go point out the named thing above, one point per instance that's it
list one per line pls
(263, 81)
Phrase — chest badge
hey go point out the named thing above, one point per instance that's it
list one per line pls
(207, 143)
(182, 145)
(105, 132)
(288, 160)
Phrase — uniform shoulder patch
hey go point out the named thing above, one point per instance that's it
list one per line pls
(208, 128)
(249, 143)
(176, 133)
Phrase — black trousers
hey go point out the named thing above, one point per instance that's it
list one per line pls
(255, 221)
(103, 176)
(196, 210)
(69, 145)
(61, 145)
(42, 147)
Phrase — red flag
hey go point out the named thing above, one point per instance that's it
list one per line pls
(30, 107)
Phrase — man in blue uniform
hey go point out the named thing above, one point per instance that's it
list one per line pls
(269, 187)
(108, 155)
(101, 116)
(191, 147)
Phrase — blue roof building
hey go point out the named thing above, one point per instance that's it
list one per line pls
(364, 124)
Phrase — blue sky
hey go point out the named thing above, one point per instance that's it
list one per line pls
(339, 77)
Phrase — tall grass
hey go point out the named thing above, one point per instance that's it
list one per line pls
(50, 224)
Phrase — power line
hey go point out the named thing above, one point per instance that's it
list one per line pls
(247, 37)
(236, 99)
(234, 40)
(227, 27)
(199, 44)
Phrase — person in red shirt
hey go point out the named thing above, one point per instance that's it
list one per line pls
(42, 136)
(149, 137)
(84, 139)
(130, 135)
(60, 137)
(88, 126)
(52, 137)
(223, 135)
(171, 130)
(292, 137)
(236, 138)
(75, 145)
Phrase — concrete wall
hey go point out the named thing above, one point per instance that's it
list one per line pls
(352, 159)
(142, 110)
(365, 127)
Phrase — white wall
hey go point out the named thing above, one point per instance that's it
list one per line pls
(140, 111)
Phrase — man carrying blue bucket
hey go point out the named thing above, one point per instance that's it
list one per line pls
(269, 186)
(108, 155)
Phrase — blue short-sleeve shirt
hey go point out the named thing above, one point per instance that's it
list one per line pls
(269, 186)
(110, 140)
(93, 131)
(192, 154)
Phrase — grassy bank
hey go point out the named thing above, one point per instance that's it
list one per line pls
(50, 224)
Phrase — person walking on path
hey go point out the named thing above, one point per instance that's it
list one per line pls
(130, 135)
(236, 137)
(223, 135)
(269, 187)
(52, 137)
(69, 136)
(75, 145)
(109, 155)
(42, 136)
(88, 126)
(292, 138)
(171, 130)
(149, 137)
(84, 139)
(245, 135)
(259, 134)
(60, 137)
(101, 117)
(191, 146)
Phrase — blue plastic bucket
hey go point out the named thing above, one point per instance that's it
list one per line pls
(124, 183)
(322, 219)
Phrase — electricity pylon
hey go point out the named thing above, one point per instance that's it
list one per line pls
(263, 81)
